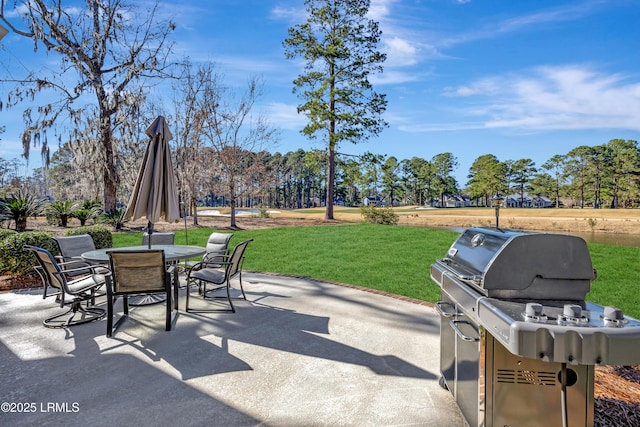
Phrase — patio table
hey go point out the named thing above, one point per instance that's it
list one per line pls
(171, 253)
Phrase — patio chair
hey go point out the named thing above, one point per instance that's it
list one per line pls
(217, 247)
(159, 238)
(204, 273)
(139, 273)
(71, 248)
(74, 289)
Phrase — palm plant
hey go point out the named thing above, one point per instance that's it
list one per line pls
(115, 218)
(21, 206)
(82, 215)
(62, 210)
(89, 209)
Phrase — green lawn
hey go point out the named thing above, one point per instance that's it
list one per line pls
(395, 259)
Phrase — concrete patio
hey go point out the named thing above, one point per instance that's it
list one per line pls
(300, 352)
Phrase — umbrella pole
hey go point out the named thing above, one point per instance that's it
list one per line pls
(149, 232)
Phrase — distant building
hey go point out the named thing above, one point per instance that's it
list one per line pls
(453, 201)
(373, 200)
(526, 201)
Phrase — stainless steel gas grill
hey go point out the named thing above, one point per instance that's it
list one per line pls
(518, 342)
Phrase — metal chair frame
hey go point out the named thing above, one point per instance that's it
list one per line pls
(219, 274)
(71, 247)
(74, 289)
(139, 273)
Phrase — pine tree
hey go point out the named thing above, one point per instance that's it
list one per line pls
(339, 45)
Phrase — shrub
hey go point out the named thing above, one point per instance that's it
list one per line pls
(14, 259)
(61, 211)
(4, 232)
(115, 218)
(21, 206)
(101, 235)
(90, 209)
(82, 215)
(374, 215)
(92, 204)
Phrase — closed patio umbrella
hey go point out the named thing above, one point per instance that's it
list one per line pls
(154, 195)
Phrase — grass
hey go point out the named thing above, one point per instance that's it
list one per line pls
(395, 259)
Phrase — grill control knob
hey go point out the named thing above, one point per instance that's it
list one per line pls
(533, 313)
(612, 313)
(613, 317)
(533, 309)
(572, 311)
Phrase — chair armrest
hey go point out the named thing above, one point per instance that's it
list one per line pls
(203, 265)
(94, 269)
(213, 255)
(210, 264)
(70, 262)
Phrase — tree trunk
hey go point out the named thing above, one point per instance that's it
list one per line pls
(330, 183)
(232, 202)
(194, 209)
(110, 175)
(21, 224)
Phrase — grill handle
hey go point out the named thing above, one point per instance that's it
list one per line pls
(439, 306)
(444, 263)
(454, 325)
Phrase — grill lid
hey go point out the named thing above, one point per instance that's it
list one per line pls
(505, 263)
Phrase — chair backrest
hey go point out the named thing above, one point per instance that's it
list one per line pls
(74, 246)
(137, 271)
(217, 246)
(159, 238)
(235, 260)
(49, 267)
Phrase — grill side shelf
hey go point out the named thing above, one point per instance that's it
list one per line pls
(459, 271)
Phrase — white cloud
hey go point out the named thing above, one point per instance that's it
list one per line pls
(399, 52)
(291, 14)
(480, 87)
(551, 98)
(285, 116)
(380, 9)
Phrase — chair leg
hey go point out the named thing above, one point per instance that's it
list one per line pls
(176, 285)
(109, 316)
(88, 314)
(186, 307)
(202, 290)
(244, 296)
(233, 309)
(169, 311)
(112, 327)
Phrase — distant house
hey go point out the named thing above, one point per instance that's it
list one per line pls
(453, 201)
(373, 200)
(541, 202)
(526, 201)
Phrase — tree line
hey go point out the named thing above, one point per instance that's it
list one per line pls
(606, 175)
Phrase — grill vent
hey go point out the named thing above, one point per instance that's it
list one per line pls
(526, 377)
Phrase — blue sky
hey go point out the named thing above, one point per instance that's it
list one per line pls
(517, 79)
